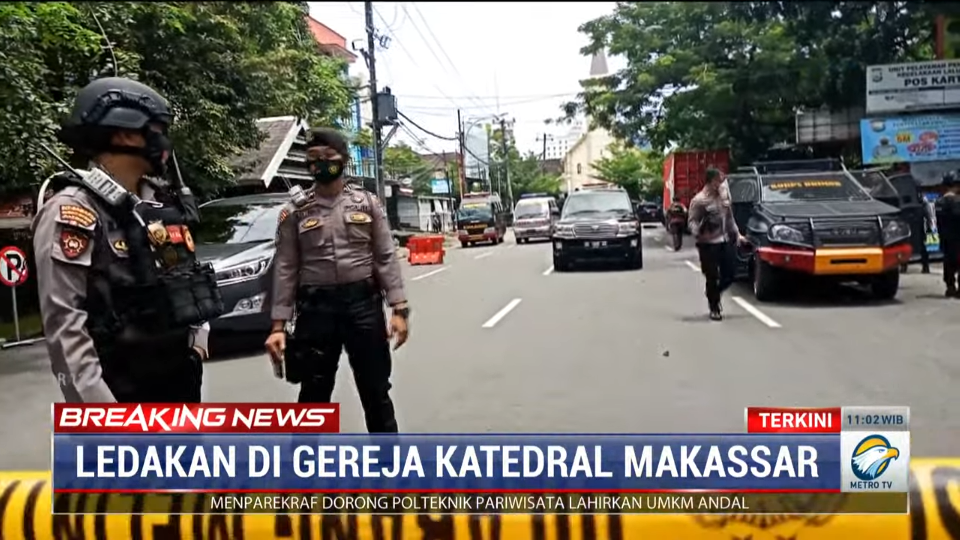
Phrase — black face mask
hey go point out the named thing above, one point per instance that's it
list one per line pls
(327, 171)
(156, 151)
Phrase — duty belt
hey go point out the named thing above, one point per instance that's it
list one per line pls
(314, 297)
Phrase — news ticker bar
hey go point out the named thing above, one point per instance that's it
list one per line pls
(480, 503)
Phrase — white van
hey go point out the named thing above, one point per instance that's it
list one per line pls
(535, 217)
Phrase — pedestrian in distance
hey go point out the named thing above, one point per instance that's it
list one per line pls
(123, 299)
(712, 224)
(921, 222)
(677, 222)
(948, 226)
(335, 265)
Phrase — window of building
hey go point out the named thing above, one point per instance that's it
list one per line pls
(579, 169)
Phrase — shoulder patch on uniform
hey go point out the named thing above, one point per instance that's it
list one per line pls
(73, 243)
(284, 214)
(78, 216)
(359, 217)
(309, 223)
(120, 245)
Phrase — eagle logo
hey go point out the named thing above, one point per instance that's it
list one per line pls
(871, 457)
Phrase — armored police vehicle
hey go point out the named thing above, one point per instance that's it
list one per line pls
(597, 224)
(813, 219)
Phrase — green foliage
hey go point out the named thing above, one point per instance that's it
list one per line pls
(401, 161)
(222, 65)
(526, 171)
(731, 74)
(637, 171)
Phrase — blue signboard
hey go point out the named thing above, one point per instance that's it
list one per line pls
(440, 187)
(910, 139)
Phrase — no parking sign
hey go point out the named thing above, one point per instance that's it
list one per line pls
(13, 266)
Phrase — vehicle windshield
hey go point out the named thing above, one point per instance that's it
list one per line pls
(811, 187)
(877, 184)
(530, 210)
(598, 202)
(237, 223)
(474, 211)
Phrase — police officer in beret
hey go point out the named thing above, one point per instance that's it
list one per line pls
(335, 267)
(124, 301)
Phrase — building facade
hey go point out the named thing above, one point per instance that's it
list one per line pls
(590, 146)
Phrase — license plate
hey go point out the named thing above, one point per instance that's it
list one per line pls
(598, 244)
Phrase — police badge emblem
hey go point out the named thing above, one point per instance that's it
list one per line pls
(157, 233)
(333, 169)
(170, 256)
(357, 199)
(73, 243)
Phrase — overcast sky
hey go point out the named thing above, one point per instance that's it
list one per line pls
(516, 58)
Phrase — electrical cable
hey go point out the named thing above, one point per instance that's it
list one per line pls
(427, 131)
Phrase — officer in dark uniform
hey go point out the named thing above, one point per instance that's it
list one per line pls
(335, 265)
(948, 226)
(124, 301)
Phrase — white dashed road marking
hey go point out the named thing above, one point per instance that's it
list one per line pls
(757, 314)
(428, 274)
(484, 255)
(502, 313)
(692, 266)
(548, 271)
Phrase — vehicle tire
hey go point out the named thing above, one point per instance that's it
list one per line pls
(635, 262)
(885, 286)
(464, 244)
(765, 281)
(521, 240)
(560, 264)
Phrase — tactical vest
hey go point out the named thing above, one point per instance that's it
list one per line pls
(166, 287)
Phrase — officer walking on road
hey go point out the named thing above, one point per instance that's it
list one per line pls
(677, 222)
(713, 226)
(948, 226)
(124, 301)
(335, 265)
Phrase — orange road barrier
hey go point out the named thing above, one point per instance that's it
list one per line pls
(425, 250)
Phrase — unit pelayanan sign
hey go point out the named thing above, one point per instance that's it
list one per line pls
(918, 86)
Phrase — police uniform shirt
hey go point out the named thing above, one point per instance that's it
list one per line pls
(333, 241)
(65, 231)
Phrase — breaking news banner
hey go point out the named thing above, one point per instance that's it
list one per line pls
(264, 458)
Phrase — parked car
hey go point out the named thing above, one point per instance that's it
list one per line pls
(237, 236)
(650, 212)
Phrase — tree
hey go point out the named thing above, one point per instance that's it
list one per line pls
(222, 65)
(526, 172)
(732, 74)
(637, 171)
(401, 161)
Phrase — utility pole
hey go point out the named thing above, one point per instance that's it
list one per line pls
(506, 159)
(374, 99)
(461, 160)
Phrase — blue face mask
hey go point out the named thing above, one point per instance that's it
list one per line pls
(326, 171)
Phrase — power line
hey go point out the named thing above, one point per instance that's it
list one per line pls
(427, 131)
(517, 96)
(443, 50)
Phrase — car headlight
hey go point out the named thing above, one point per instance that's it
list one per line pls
(243, 272)
(785, 233)
(628, 227)
(563, 230)
(895, 230)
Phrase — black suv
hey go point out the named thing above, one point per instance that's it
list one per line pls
(814, 219)
(597, 225)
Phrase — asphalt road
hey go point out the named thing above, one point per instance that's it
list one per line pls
(501, 343)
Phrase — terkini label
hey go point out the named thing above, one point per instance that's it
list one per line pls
(193, 418)
(793, 420)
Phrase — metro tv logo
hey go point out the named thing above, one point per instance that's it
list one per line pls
(871, 458)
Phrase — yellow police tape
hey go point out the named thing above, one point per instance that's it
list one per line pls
(26, 506)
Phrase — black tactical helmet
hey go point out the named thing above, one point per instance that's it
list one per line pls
(113, 103)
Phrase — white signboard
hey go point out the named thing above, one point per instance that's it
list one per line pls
(919, 86)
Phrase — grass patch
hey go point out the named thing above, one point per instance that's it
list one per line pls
(30, 326)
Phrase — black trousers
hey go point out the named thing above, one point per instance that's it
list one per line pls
(950, 264)
(676, 234)
(160, 371)
(349, 316)
(718, 264)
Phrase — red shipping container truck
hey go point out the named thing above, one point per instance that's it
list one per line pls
(684, 171)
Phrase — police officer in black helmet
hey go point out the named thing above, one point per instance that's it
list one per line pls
(123, 299)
